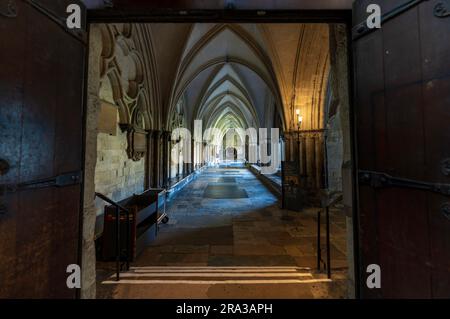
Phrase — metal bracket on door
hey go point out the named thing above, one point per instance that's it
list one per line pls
(442, 9)
(445, 209)
(63, 180)
(445, 167)
(10, 11)
(383, 180)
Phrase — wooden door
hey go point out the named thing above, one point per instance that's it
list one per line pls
(402, 105)
(41, 131)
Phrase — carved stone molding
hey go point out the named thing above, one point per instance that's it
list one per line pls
(137, 141)
(122, 73)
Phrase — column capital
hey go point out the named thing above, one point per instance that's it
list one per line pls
(166, 135)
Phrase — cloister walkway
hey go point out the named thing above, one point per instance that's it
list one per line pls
(227, 239)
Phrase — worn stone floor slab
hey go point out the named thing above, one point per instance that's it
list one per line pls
(224, 191)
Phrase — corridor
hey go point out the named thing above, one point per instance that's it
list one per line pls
(267, 123)
(228, 238)
(244, 112)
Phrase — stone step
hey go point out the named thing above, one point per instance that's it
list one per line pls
(216, 275)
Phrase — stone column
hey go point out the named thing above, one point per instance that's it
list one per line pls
(339, 81)
(148, 161)
(193, 155)
(178, 159)
(302, 161)
(88, 260)
(320, 160)
(156, 158)
(309, 162)
(202, 147)
(289, 151)
(162, 155)
(165, 158)
(169, 145)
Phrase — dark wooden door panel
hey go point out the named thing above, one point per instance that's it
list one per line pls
(11, 77)
(370, 74)
(41, 121)
(398, 266)
(435, 51)
(402, 89)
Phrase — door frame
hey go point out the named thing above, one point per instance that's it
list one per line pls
(247, 16)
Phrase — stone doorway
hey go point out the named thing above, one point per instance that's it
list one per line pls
(154, 165)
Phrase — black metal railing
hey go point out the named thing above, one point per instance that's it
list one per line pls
(119, 251)
(328, 201)
(163, 217)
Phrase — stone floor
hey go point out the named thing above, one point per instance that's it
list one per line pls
(228, 238)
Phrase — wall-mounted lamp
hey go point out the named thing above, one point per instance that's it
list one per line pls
(299, 125)
(299, 118)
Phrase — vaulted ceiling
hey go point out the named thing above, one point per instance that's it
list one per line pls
(228, 75)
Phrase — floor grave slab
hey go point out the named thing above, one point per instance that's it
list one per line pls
(224, 192)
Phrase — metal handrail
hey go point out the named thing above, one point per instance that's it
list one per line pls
(326, 204)
(162, 191)
(118, 250)
(110, 201)
(164, 214)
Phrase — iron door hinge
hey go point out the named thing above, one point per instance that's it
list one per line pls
(383, 180)
(442, 9)
(445, 210)
(445, 167)
(8, 9)
(63, 180)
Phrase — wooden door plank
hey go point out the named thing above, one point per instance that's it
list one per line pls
(435, 66)
(42, 112)
(369, 79)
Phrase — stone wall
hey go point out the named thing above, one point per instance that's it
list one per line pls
(88, 276)
(116, 176)
(335, 154)
(101, 172)
(339, 80)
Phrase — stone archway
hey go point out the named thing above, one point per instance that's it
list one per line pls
(233, 101)
(116, 78)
